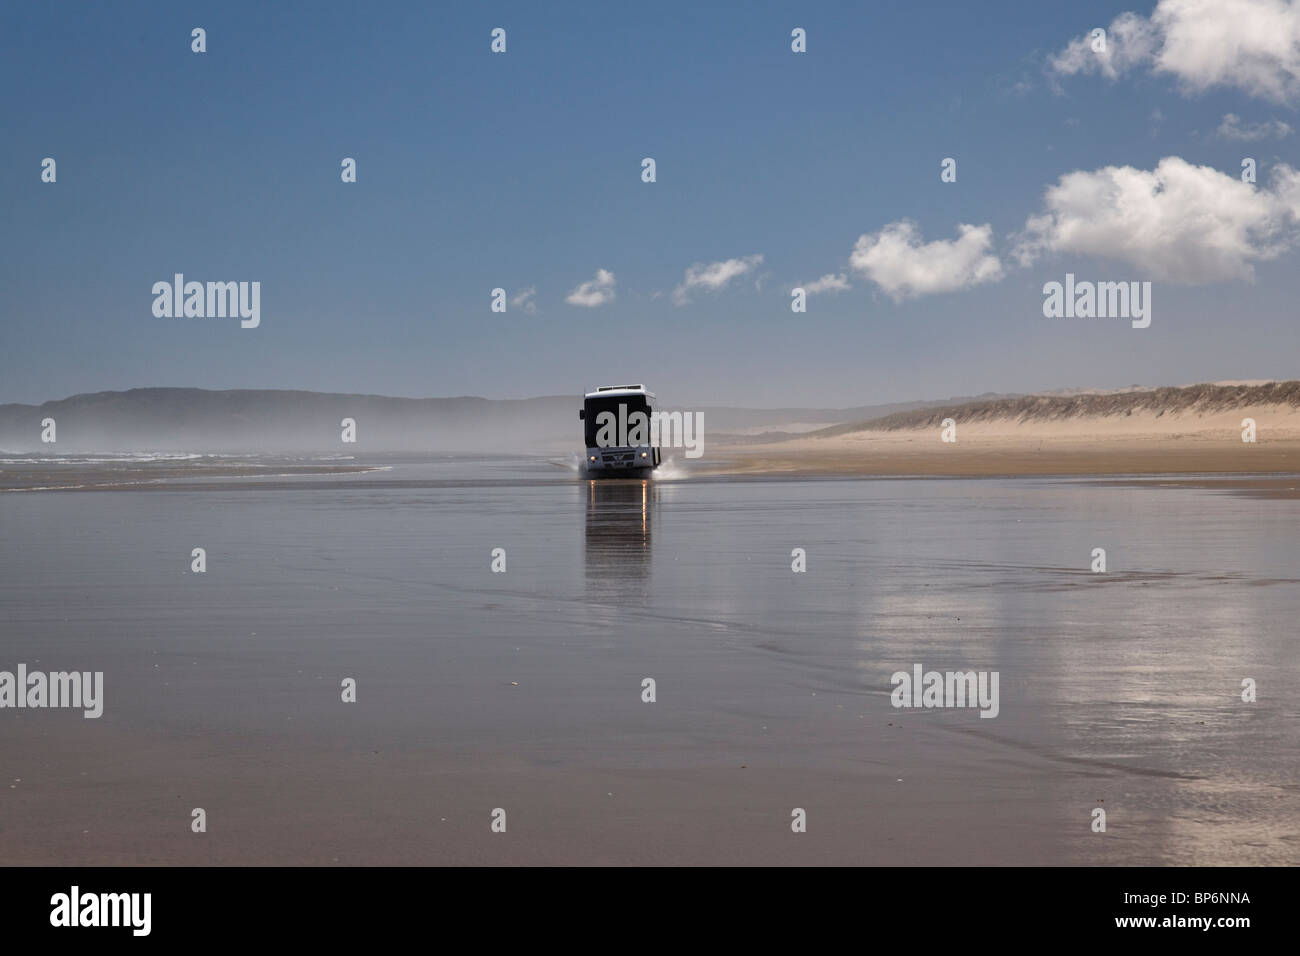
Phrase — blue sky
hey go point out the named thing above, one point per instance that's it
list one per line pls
(523, 170)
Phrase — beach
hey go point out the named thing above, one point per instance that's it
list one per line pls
(1130, 444)
(523, 691)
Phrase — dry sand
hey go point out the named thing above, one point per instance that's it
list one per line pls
(1139, 443)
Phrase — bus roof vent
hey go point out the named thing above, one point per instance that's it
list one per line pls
(619, 388)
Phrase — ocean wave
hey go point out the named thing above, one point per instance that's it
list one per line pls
(127, 458)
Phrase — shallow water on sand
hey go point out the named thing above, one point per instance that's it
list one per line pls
(523, 690)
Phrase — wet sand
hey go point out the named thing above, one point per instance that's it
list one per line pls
(1278, 486)
(523, 690)
(892, 454)
(43, 476)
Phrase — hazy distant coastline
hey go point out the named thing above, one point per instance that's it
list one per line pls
(1196, 429)
(276, 421)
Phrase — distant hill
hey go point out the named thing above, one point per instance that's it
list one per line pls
(254, 420)
(284, 421)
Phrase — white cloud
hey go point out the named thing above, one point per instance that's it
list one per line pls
(1252, 45)
(1184, 223)
(524, 300)
(898, 261)
(827, 283)
(594, 292)
(714, 276)
(1233, 128)
(1131, 41)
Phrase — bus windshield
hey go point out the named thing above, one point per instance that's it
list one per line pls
(594, 406)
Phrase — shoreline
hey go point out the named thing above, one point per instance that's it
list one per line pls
(142, 477)
(1267, 465)
(924, 455)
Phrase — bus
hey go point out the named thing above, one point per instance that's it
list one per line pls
(606, 459)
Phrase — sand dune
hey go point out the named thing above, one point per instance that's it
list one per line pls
(1192, 430)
